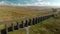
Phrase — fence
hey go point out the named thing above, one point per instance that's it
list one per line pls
(28, 22)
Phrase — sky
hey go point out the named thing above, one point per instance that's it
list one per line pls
(30, 2)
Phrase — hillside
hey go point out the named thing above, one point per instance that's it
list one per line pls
(49, 26)
(14, 13)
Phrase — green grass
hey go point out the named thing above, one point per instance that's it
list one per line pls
(38, 28)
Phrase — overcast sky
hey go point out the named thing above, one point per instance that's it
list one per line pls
(30, 2)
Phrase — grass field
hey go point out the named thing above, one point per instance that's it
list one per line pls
(49, 26)
(14, 13)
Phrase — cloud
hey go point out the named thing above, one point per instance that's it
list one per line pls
(3, 3)
(27, 3)
(36, 3)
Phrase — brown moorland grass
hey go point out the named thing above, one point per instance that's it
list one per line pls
(14, 13)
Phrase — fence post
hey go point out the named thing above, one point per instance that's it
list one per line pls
(18, 24)
(26, 24)
(45, 17)
(6, 28)
(36, 20)
(22, 24)
(42, 18)
(31, 21)
(12, 24)
(0, 31)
